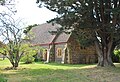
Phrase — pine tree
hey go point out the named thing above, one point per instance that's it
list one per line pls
(99, 20)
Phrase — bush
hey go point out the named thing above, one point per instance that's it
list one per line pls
(28, 57)
(117, 54)
(36, 58)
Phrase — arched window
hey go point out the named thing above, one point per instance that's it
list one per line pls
(59, 52)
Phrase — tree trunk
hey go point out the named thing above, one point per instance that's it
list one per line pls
(14, 64)
(104, 55)
(14, 60)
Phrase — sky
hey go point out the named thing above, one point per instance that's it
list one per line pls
(29, 10)
(30, 13)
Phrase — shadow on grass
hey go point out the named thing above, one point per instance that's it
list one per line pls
(87, 74)
(66, 65)
(47, 75)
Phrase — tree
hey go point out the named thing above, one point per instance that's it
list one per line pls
(11, 32)
(117, 54)
(29, 54)
(92, 20)
(29, 27)
(12, 35)
(2, 2)
(6, 2)
(9, 4)
(15, 47)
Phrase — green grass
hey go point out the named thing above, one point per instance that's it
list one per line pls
(53, 72)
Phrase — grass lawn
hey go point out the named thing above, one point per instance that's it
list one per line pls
(53, 72)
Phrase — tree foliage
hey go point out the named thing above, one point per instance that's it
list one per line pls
(29, 54)
(2, 2)
(12, 35)
(117, 53)
(28, 28)
(98, 19)
(6, 2)
(28, 34)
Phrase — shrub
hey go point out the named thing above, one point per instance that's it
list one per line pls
(28, 57)
(117, 53)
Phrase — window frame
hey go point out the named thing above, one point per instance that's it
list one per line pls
(59, 52)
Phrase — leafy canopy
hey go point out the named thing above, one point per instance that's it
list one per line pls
(101, 18)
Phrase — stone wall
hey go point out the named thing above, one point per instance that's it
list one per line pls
(73, 51)
(52, 53)
(44, 49)
(59, 58)
(80, 55)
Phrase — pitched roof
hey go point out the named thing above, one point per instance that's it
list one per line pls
(43, 36)
(63, 37)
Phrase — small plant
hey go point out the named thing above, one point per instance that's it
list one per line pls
(29, 56)
(117, 53)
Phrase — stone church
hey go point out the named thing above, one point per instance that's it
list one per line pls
(61, 47)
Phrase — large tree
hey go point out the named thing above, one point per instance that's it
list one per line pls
(11, 33)
(93, 20)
